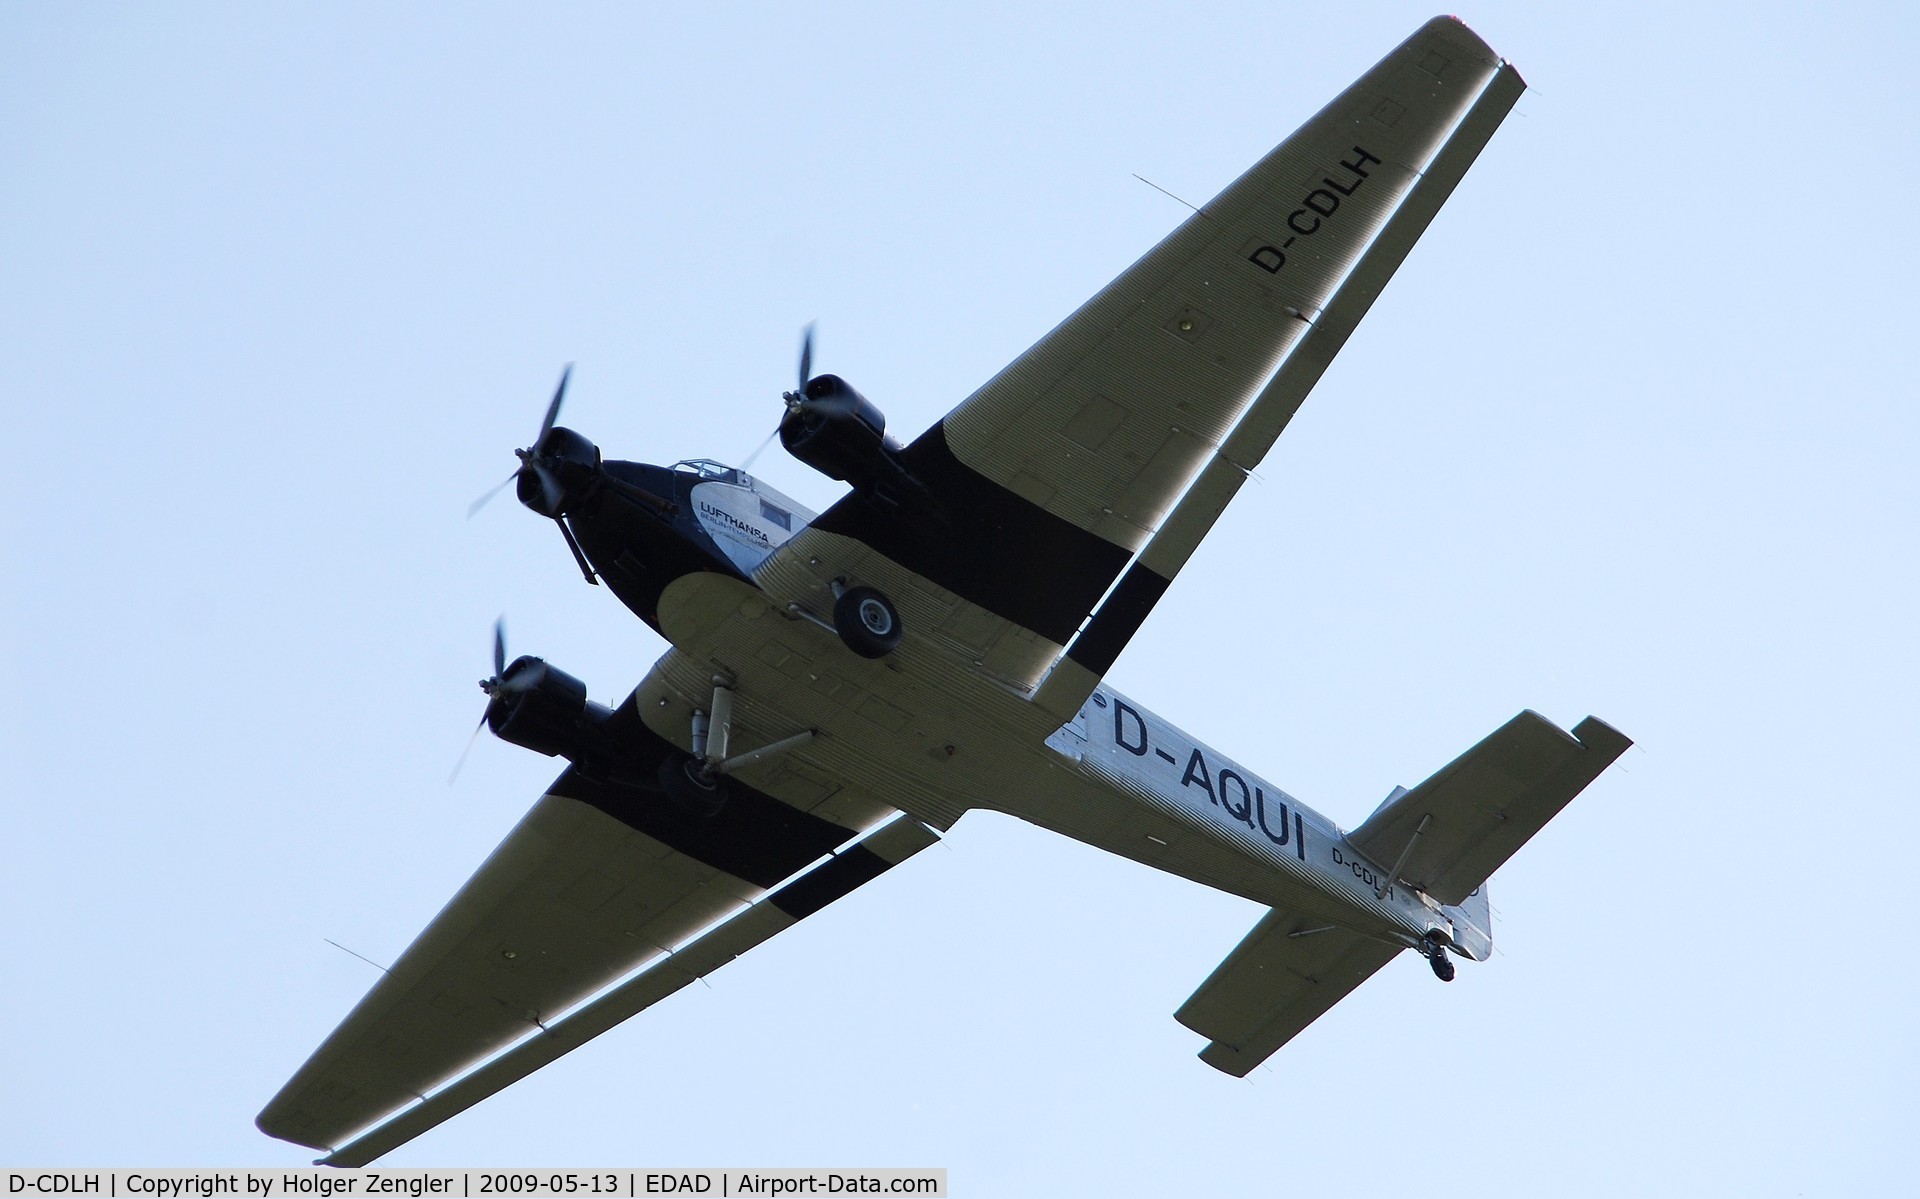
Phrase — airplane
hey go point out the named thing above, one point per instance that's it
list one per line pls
(844, 686)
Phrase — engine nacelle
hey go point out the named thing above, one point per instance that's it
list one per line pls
(839, 433)
(566, 458)
(545, 709)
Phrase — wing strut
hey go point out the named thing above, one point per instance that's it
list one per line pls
(1126, 606)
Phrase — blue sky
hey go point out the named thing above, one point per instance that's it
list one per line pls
(1632, 433)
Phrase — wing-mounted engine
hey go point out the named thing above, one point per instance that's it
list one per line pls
(840, 433)
(543, 708)
(540, 707)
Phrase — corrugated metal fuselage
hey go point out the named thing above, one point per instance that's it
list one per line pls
(1116, 776)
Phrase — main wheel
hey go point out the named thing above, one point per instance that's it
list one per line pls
(689, 789)
(867, 622)
(1442, 965)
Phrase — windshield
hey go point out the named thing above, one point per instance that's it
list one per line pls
(719, 472)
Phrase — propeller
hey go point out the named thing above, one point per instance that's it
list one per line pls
(796, 399)
(496, 687)
(561, 471)
(825, 396)
(550, 489)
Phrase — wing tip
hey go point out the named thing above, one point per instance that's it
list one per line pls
(274, 1123)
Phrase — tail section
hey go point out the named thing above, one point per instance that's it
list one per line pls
(1444, 838)
(1473, 925)
(1282, 977)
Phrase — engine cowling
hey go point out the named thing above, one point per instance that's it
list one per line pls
(559, 470)
(840, 433)
(545, 709)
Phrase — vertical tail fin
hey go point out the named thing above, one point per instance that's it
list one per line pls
(1473, 925)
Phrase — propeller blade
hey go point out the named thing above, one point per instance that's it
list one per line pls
(462, 761)
(499, 648)
(751, 458)
(806, 357)
(486, 499)
(553, 409)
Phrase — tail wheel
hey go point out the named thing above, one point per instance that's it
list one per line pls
(690, 788)
(867, 621)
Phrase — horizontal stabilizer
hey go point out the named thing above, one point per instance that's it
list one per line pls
(1451, 833)
(1282, 977)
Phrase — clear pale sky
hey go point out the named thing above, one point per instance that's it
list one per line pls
(1633, 434)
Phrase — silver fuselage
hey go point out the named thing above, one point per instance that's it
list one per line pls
(1219, 823)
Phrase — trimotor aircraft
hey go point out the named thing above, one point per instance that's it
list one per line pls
(843, 686)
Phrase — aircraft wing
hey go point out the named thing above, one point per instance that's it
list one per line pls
(1448, 835)
(1058, 472)
(1282, 976)
(599, 880)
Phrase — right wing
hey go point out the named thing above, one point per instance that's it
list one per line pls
(1282, 976)
(599, 879)
(1055, 474)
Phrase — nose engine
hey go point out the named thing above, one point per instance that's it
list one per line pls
(557, 469)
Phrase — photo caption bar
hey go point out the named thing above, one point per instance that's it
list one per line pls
(327, 1183)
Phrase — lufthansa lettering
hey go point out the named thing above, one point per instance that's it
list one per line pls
(733, 522)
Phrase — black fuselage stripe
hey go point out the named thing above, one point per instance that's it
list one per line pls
(984, 543)
(1100, 643)
(846, 873)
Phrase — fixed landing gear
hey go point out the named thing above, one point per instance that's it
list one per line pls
(692, 786)
(697, 782)
(1437, 958)
(866, 620)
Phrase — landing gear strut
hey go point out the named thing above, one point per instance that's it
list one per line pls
(697, 782)
(1437, 958)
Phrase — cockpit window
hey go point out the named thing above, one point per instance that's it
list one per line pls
(707, 468)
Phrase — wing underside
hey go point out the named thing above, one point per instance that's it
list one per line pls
(602, 885)
(1055, 474)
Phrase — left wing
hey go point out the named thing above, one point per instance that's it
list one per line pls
(695, 959)
(1282, 977)
(599, 879)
